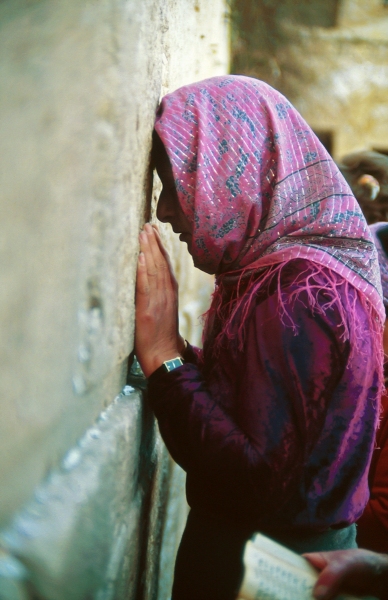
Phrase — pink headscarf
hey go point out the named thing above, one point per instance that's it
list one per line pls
(258, 186)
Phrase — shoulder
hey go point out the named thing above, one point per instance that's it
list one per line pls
(307, 299)
(305, 288)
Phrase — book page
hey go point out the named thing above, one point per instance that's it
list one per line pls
(265, 544)
(270, 578)
(273, 572)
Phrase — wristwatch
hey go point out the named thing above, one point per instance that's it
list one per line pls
(174, 363)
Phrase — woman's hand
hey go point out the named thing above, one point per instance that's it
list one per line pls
(157, 337)
(357, 571)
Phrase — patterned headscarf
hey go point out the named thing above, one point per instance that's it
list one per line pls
(378, 231)
(258, 187)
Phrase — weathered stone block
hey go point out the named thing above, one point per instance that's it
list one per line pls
(93, 528)
(80, 82)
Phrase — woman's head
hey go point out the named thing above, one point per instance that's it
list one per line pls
(169, 209)
(255, 184)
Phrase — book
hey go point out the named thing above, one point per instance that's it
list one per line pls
(273, 572)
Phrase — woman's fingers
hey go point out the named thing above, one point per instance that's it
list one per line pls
(151, 267)
(156, 282)
(156, 334)
(160, 258)
(167, 258)
(356, 571)
(142, 285)
(331, 565)
(316, 559)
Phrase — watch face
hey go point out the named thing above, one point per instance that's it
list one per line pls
(172, 364)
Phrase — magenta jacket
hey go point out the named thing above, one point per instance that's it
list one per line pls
(277, 436)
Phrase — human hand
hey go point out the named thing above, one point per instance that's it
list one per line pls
(156, 334)
(355, 571)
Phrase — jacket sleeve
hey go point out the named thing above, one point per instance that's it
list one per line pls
(192, 354)
(294, 425)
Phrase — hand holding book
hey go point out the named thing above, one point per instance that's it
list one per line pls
(359, 570)
(272, 572)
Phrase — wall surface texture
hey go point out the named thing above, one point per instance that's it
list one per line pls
(329, 57)
(90, 503)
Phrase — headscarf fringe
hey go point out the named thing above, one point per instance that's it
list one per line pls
(249, 284)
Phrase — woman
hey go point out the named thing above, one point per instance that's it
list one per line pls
(274, 422)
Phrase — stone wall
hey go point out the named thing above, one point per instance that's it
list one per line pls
(330, 58)
(90, 504)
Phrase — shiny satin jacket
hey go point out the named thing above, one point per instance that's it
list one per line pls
(277, 435)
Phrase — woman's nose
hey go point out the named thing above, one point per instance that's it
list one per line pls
(163, 209)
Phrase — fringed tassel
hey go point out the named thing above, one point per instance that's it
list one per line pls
(228, 314)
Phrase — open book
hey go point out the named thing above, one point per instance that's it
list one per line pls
(272, 572)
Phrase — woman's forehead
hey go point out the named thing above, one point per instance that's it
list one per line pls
(160, 159)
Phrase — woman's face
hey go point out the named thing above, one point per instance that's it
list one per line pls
(168, 209)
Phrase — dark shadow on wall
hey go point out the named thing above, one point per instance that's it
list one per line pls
(150, 483)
